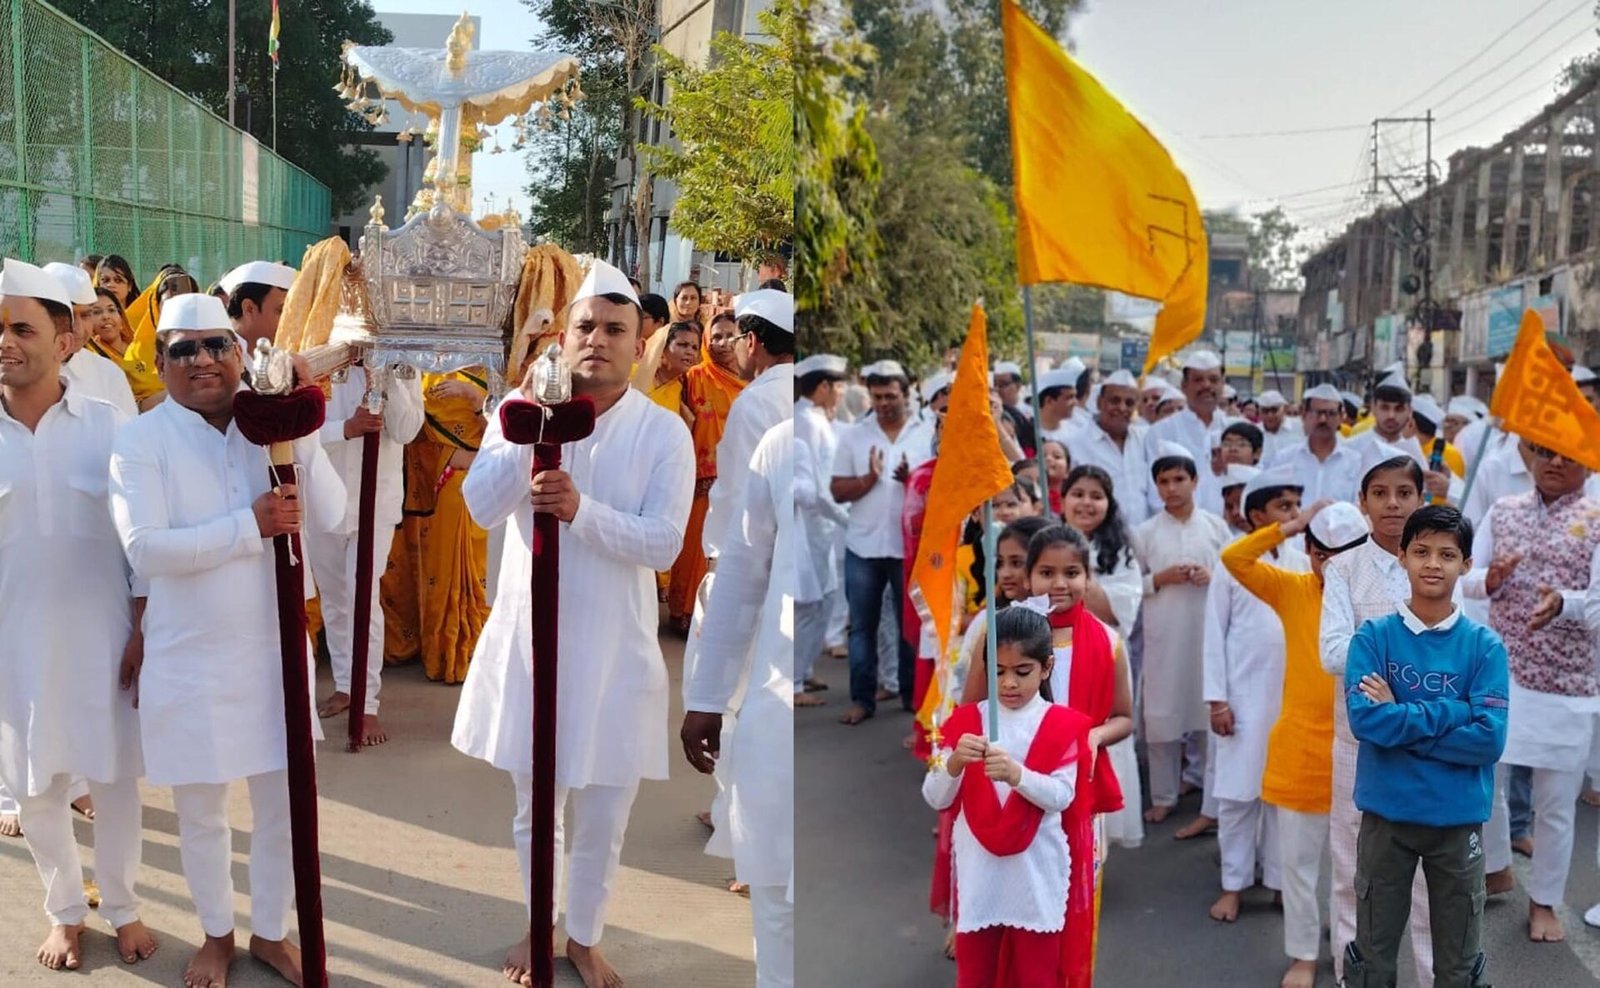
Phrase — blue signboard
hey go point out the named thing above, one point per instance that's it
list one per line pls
(1505, 317)
(1133, 354)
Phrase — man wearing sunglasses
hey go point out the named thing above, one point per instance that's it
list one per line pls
(68, 623)
(196, 510)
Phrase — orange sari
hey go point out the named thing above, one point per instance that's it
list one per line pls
(709, 391)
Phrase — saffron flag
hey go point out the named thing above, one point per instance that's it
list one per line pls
(1099, 200)
(970, 470)
(272, 38)
(1538, 400)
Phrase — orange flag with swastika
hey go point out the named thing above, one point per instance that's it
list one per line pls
(970, 470)
(1538, 400)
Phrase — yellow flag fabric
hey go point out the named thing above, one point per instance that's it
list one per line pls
(1099, 200)
(970, 470)
(1538, 400)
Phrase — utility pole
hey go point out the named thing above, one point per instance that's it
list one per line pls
(230, 61)
(1418, 231)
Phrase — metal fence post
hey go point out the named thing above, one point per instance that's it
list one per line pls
(86, 183)
(133, 169)
(20, 103)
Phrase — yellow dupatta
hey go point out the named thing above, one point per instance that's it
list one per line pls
(139, 358)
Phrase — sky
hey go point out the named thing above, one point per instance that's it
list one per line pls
(1197, 73)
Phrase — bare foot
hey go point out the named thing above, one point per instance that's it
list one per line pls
(372, 732)
(60, 949)
(334, 705)
(519, 962)
(10, 825)
(1591, 796)
(1499, 882)
(1226, 908)
(808, 700)
(1543, 927)
(815, 685)
(1523, 846)
(738, 888)
(1301, 974)
(209, 968)
(839, 652)
(909, 742)
(1201, 824)
(885, 695)
(855, 715)
(594, 969)
(280, 955)
(1156, 814)
(135, 943)
(704, 816)
(950, 944)
(85, 806)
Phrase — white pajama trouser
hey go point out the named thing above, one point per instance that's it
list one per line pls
(118, 833)
(8, 803)
(889, 642)
(773, 916)
(1302, 838)
(810, 634)
(1497, 830)
(1555, 798)
(599, 822)
(205, 844)
(1167, 767)
(1247, 836)
(838, 603)
(333, 563)
(1344, 824)
(1198, 767)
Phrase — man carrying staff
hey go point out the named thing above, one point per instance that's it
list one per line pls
(623, 496)
(196, 510)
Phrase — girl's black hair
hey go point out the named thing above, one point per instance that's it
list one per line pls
(1030, 632)
(1111, 539)
(1054, 535)
(1023, 530)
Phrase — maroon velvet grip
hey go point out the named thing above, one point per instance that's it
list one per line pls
(524, 423)
(266, 419)
(361, 638)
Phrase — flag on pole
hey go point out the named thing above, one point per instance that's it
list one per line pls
(1538, 400)
(272, 38)
(1099, 200)
(970, 470)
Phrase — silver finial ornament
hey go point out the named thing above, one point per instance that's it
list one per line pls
(273, 373)
(552, 381)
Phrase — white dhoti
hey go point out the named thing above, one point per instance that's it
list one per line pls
(1553, 735)
(1247, 836)
(599, 823)
(205, 844)
(47, 828)
(1302, 838)
(773, 914)
(333, 562)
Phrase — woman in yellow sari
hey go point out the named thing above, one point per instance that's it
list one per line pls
(434, 591)
(109, 336)
(709, 388)
(681, 353)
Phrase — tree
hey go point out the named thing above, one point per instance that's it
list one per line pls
(1276, 250)
(187, 44)
(732, 149)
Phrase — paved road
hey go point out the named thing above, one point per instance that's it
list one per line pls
(864, 852)
(420, 880)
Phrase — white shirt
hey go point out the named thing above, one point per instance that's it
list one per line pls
(748, 635)
(1185, 428)
(1128, 466)
(1501, 474)
(764, 402)
(98, 377)
(402, 420)
(1272, 443)
(1471, 437)
(211, 689)
(819, 515)
(1338, 477)
(874, 529)
(635, 478)
(1025, 891)
(65, 611)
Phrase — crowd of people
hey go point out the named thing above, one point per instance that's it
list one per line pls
(1364, 627)
(127, 487)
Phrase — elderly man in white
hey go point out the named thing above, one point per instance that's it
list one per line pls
(623, 495)
(196, 511)
(68, 623)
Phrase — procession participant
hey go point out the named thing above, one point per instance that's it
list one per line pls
(1230, 401)
(1426, 416)
(1057, 464)
(1391, 413)
(1588, 384)
(1194, 426)
(256, 291)
(1367, 582)
(92, 374)
(114, 274)
(748, 635)
(1176, 550)
(687, 300)
(332, 553)
(815, 578)
(1058, 403)
(1169, 404)
(1150, 393)
(1532, 553)
(1110, 442)
(109, 335)
(62, 715)
(195, 509)
(1239, 445)
(1458, 413)
(936, 387)
(89, 264)
(1331, 470)
(819, 381)
(1279, 430)
(1504, 472)
(1007, 380)
(875, 545)
(624, 499)
(680, 353)
(656, 313)
(1243, 687)
(1232, 511)
(1351, 420)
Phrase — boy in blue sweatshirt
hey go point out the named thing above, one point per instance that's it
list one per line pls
(1426, 690)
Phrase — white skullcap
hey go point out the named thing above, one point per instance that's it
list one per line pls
(258, 273)
(885, 368)
(770, 304)
(1271, 399)
(1170, 448)
(1396, 381)
(1061, 377)
(1229, 391)
(1202, 360)
(1007, 367)
(1267, 479)
(935, 383)
(1582, 374)
(1239, 475)
(1073, 366)
(1397, 368)
(1339, 526)
(1323, 392)
(1463, 406)
(75, 280)
(1377, 452)
(605, 279)
(822, 363)
(1171, 393)
(1120, 379)
(1350, 398)
(19, 279)
(1155, 382)
(193, 310)
(1477, 405)
(1425, 406)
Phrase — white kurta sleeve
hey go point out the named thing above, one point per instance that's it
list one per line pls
(1214, 648)
(497, 484)
(939, 787)
(1051, 793)
(806, 491)
(1475, 585)
(324, 494)
(1124, 587)
(1591, 598)
(139, 510)
(723, 502)
(402, 411)
(654, 536)
(1338, 621)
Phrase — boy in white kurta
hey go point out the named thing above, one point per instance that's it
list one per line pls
(748, 635)
(67, 623)
(624, 495)
(333, 553)
(196, 510)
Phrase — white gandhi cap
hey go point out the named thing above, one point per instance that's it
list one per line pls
(75, 280)
(193, 310)
(605, 279)
(770, 304)
(258, 273)
(19, 279)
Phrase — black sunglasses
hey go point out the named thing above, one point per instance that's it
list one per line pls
(186, 351)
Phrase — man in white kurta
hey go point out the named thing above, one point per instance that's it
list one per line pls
(748, 635)
(1197, 427)
(93, 374)
(349, 418)
(66, 624)
(822, 520)
(1110, 442)
(1329, 468)
(195, 507)
(623, 495)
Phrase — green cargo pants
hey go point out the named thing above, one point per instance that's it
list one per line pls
(1386, 862)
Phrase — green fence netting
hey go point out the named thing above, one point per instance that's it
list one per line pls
(99, 156)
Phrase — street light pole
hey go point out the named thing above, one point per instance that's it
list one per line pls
(230, 60)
